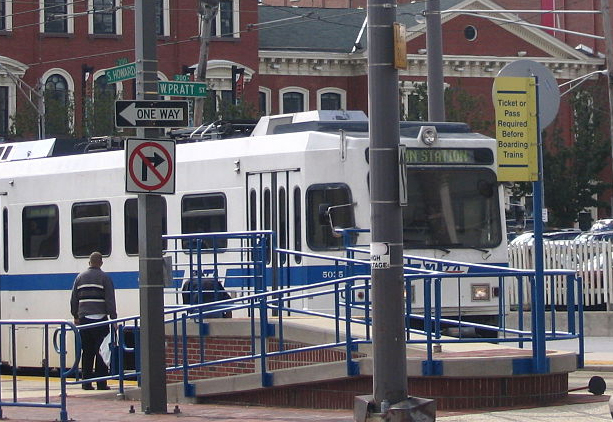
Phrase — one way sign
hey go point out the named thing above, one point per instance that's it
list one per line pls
(151, 113)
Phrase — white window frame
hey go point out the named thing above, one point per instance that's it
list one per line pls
(268, 93)
(332, 90)
(90, 19)
(8, 15)
(166, 17)
(305, 96)
(69, 19)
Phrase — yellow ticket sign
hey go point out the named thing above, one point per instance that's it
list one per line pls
(516, 128)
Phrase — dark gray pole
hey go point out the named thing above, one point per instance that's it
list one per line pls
(434, 47)
(151, 283)
(608, 37)
(389, 348)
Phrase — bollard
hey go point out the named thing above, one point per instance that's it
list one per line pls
(596, 386)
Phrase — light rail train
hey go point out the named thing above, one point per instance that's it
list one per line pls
(294, 175)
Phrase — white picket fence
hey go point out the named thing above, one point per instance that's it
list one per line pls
(593, 261)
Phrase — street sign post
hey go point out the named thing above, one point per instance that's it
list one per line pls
(150, 166)
(182, 89)
(129, 113)
(120, 73)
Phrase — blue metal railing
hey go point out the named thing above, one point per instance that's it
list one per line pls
(243, 265)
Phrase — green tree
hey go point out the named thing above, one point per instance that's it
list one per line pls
(571, 170)
(460, 106)
(99, 113)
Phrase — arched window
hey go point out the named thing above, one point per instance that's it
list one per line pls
(293, 102)
(331, 99)
(56, 88)
(103, 89)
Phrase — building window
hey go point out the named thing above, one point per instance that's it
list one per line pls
(226, 20)
(204, 213)
(56, 88)
(2, 15)
(162, 18)
(91, 228)
(264, 101)
(470, 33)
(104, 17)
(293, 99)
(331, 99)
(4, 111)
(56, 16)
(40, 229)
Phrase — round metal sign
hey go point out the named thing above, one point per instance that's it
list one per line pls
(548, 91)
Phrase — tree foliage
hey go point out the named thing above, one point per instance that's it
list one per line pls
(571, 170)
(460, 106)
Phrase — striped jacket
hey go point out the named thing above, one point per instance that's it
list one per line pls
(93, 293)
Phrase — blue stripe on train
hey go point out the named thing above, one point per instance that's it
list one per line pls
(63, 281)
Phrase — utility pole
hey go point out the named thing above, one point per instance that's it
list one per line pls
(608, 39)
(434, 51)
(207, 10)
(390, 385)
(150, 263)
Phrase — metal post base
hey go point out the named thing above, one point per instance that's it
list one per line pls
(413, 409)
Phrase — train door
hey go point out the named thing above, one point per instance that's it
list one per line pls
(4, 250)
(274, 203)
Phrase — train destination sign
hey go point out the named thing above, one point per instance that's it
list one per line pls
(515, 100)
(120, 73)
(150, 165)
(131, 113)
(475, 156)
(182, 89)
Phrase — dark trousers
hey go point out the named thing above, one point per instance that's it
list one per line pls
(91, 339)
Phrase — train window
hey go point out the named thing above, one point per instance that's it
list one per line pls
(5, 239)
(451, 208)
(40, 231)
(267, 222)
(205, 213)
(282, 223)
(253, 211)
(328, 205)
(130, 215)
(297, 224)
(91, 228)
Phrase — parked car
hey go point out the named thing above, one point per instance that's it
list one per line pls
(602, 225)
(564, 234)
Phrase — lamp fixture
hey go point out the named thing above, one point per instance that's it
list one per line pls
(317, 67)
(422, 51)
(521, 53)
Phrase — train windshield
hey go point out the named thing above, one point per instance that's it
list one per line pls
(451, 208)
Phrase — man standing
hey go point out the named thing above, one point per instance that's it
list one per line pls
(92, 300)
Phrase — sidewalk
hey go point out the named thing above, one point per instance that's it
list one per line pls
(94, 406)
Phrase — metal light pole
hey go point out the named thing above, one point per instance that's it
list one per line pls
(390, 387)
(434, 49)
(151, 267)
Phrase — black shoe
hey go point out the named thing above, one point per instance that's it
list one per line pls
(87, 386)
(103, 387)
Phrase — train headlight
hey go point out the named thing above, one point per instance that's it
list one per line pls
(479, 292)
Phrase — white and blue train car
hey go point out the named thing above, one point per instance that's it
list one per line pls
(56, 210)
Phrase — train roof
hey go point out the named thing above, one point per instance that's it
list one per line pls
(353, 123)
